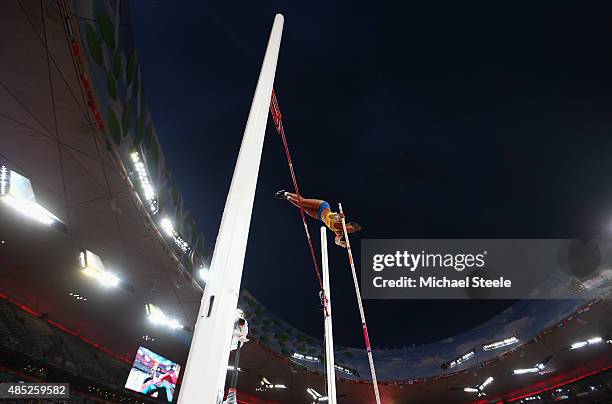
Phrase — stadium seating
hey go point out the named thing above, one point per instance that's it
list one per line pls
(35, 338)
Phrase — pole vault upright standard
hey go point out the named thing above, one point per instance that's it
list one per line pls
(206, 367)
(329, 334)
(360, 304)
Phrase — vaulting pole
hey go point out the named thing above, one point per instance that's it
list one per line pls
(329, 335)
(360, 304)
(206, 367)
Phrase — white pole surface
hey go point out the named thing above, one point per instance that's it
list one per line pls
(206, 367)
(329, 335)
(360, 304)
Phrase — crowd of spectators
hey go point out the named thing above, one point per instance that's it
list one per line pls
(32, 350)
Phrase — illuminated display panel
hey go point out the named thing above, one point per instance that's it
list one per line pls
(153, 375)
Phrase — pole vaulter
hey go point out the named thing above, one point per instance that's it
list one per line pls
(321, 210)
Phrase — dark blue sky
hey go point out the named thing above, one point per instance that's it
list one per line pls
(426, 119)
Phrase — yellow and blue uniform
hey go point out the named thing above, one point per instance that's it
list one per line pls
(324, 205)
(326, 217)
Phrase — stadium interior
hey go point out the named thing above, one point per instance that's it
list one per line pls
(99, 255)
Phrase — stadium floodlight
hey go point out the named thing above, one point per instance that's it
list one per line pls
(145, 182)
(305, 357)
(316, 396)
(485, 383)
(77, 296)
(267, 385)
(157, 316)
(313, 393)
(16, 191)
(231, 368)
(537, 368)
(458, 361)
(168, 228)
(500, 344)
(341, 368)
(577, 345)
(480, 388)
(203, 273)
(92, 265)
(590, 341)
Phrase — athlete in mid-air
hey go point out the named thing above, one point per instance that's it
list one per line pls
(321, 210)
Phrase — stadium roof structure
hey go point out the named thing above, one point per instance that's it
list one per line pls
(74, 123)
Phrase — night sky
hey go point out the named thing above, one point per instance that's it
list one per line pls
(425, 119)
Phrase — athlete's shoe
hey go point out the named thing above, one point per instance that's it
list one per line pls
(281, 194)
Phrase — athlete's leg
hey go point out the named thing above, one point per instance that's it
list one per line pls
(315, 208)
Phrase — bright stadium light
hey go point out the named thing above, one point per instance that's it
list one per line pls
(480, 388)
(537, 368)
(313, 393)
(590, 341)
(168, 228)
(305, 357)
(316, 396)
(458, 361)
(145, 182)
(16, 191)
(157, 316)
(92, 265)
(4, 180)
(77, 296)
(577, 345)
(345, 370)
(499, 344)
(485, 383)
(203, 273)
(266, 385)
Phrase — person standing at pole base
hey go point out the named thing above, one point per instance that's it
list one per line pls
(320, 210)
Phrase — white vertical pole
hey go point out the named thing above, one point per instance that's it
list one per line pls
(329, 335)
(206, 367)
